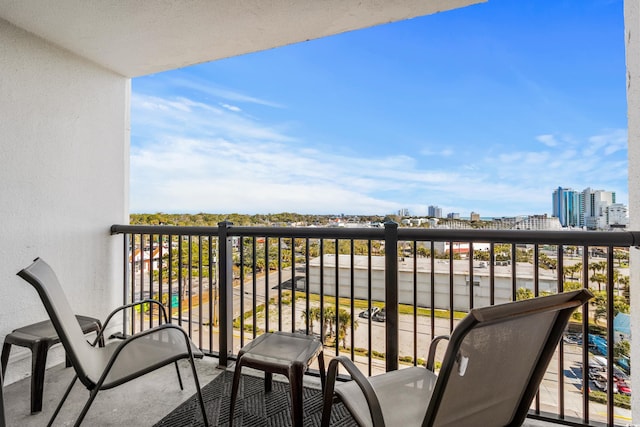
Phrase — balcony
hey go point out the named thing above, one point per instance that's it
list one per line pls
(65, 179)
(220, 283)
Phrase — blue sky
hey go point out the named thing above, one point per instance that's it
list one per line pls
(488, 109)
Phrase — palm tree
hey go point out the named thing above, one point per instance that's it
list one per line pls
(344, 321)
(310, 317)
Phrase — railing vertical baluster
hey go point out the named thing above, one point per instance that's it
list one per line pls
(180, 277)
(241, 294)
(322, 337)
(337, 294)
(141, 278)
(451, 276)
(492, 273)
(433, 289)
(585, 337)
(254, 287)
(415, 303)
(279, 284)
(190, 286)
(292, 270)
(212, 293)
(266, 284)
(200, 289)
(610, 335)
(306, 284)
(225, 283)
(391, 294)
(150, 279)
(560, 288)
(170, 279)
(351, 294)
(471, 279)
(514, 275)
(369, 290)
(126, 251)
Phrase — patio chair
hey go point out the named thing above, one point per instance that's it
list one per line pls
(101, 368)
(493, 365)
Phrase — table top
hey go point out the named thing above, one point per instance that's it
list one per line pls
(283, 348)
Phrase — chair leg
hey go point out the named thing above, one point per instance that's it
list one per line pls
(179, 377)
(328, 393)
(66, 394)
(234, 388)
(6, 349)
(38, 362)
(200, 399)
(86, 407)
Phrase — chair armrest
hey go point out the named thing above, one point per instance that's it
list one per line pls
(362, 381)
(161, 308)
(430, 365)
(142, 334)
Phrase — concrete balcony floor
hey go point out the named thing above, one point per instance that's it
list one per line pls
(140, 402)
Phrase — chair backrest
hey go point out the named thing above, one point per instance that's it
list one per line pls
(496, 359)
(40, 275)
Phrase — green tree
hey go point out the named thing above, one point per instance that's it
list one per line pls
(523, 293)
(344, 323)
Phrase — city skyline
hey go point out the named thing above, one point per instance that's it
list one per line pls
(486, 109)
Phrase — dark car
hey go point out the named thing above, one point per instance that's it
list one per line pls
(380, 316)
(365, 314)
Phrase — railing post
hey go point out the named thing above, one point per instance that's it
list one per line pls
(391, 294)
(225, 281)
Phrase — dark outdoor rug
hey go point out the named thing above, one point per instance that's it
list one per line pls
(254, 407)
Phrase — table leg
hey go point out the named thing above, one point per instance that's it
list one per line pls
(296, 373)
(268, 382)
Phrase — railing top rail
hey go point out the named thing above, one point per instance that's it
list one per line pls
(579, 238)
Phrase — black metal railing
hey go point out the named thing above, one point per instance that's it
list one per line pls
(225, 285)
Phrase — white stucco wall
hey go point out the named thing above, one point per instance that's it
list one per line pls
(64, 125)
(632, 40)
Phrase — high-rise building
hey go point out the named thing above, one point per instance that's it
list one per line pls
(568, 207)
(591, 209)
(474, 216)
(453, 215)
(435, 211)
(596, 204)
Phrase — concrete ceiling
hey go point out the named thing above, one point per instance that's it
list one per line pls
(139, 37)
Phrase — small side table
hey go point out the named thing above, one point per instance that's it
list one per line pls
(283, 353)
(39, 337)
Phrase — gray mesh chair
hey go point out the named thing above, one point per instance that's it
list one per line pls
(493, 365)
(100, 368)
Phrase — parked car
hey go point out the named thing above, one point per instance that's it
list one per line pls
(365, 314)
(380, 316)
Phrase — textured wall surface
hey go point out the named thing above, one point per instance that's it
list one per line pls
(64, 179)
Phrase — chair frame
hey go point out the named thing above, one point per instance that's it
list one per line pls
(3, 421)
(567, 303)
(94, 386)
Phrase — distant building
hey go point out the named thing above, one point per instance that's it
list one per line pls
(568, 207)
(474, 216)
(403, 212)
(435, 212)
(453, 215)
(617, 216)
(591, 209)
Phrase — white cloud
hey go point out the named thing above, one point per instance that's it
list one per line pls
(191, 156)
(231, 107)
(548, 140)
